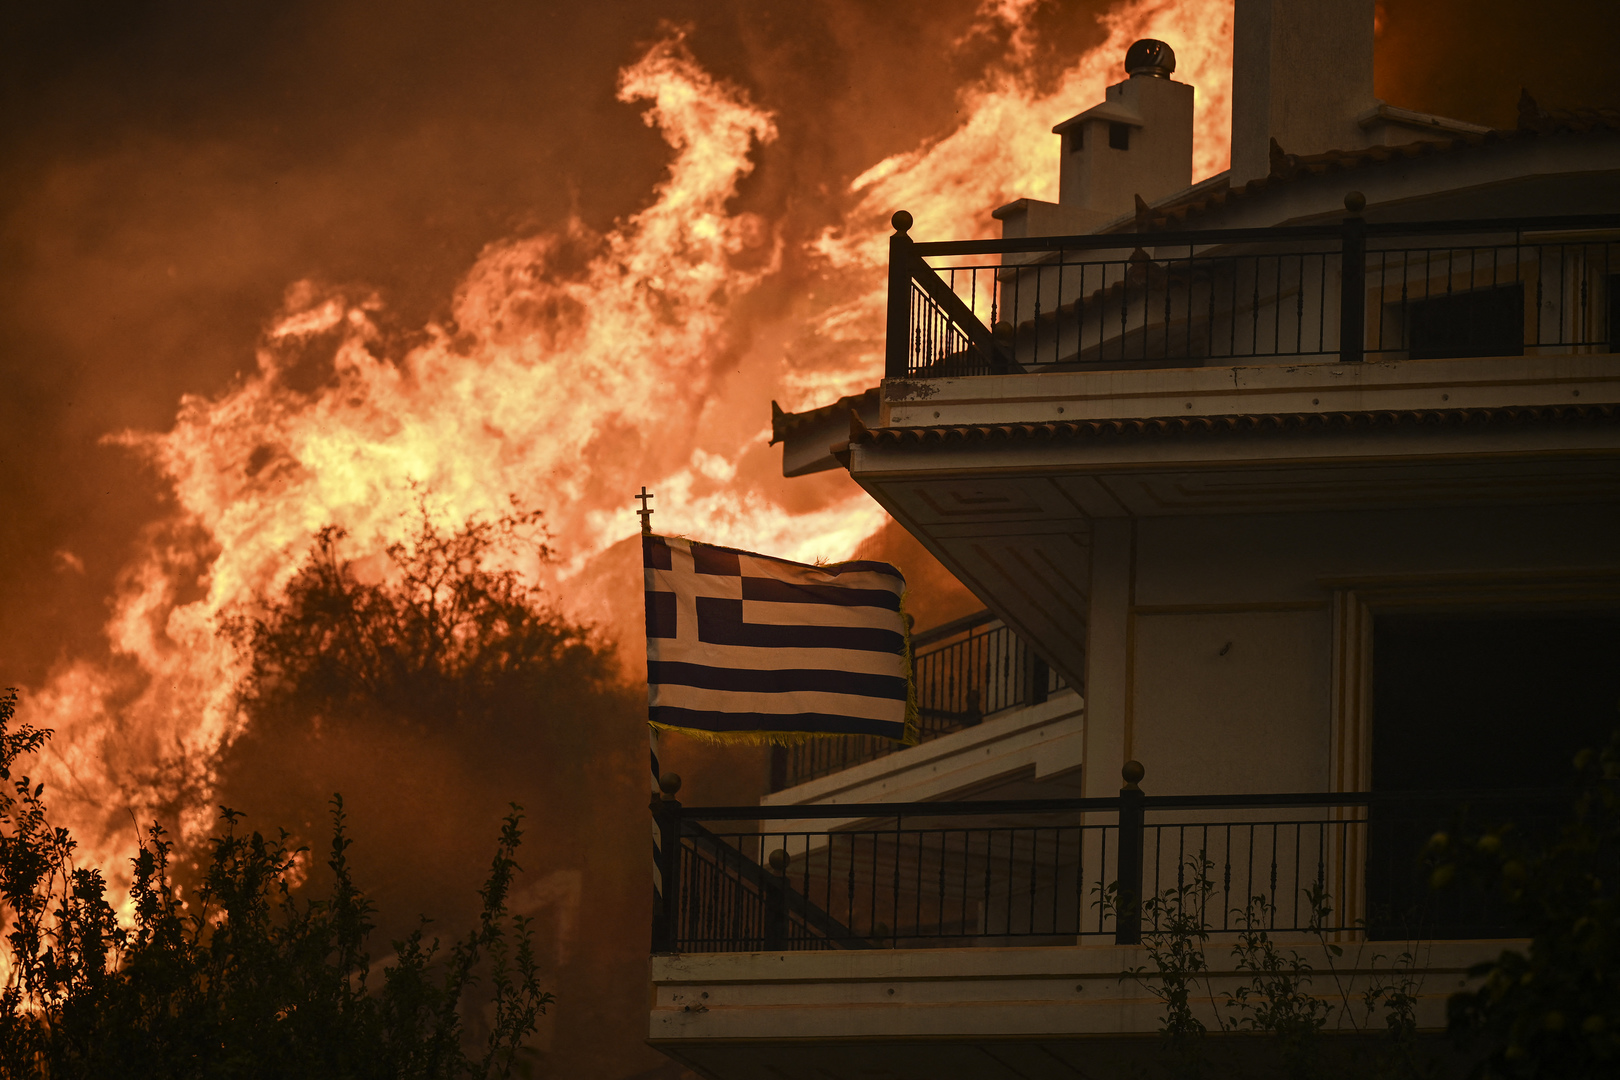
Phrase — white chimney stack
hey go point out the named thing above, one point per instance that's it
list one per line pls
(1302, 73)
(1137, 142)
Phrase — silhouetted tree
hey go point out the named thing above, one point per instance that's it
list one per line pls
(430, 684)
(436, 640)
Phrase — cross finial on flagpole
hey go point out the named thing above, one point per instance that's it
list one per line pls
(645, 512)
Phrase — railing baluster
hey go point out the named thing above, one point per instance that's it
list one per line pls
(1272, 893)
(1080, 879)
(894, 927)
(1102, 872)
(1231, 322)
(1226, 884)
(1248, 891)
(1321, 303)
(1563, 288)
(1057, 314)
(1299, 309)
(1190, 276)
(1276, 305)
(1353, 289)
(1057, 867)
(1254, 312)
(1166, 353)
(1297, 828)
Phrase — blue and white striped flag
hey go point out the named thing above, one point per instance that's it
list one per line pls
(747, 647)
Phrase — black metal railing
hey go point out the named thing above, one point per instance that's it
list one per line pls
(1346, 291)
(964, 671)
(1061, 871)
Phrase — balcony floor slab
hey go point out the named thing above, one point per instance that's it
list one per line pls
(853, 1011)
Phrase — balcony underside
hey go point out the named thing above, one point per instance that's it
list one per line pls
(984, 1014)
(1011, 1058)
(1006, 478)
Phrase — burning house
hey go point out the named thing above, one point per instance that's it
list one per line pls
(1291, 499)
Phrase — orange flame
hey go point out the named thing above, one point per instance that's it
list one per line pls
(1004, 148)
(575, 367)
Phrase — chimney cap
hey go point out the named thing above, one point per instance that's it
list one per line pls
(1150, 57)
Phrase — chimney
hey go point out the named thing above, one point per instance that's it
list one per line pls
(1137, 142)
(1302, 73)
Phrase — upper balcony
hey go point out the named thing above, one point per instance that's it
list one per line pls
(1063, 415)
(1328, 293)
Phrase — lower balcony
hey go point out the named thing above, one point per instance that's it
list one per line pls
(1026, 938)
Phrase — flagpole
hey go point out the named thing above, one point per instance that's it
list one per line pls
(661, 941)
(646, 512)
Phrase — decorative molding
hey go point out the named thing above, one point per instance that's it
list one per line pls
(1225, 609)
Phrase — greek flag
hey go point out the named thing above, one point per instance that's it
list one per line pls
(747, 647)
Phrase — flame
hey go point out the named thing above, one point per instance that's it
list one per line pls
(1005, 149)
(575, 367)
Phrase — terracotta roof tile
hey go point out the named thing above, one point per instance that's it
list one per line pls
(1534, 122)
(784, 424)
(1238, 424)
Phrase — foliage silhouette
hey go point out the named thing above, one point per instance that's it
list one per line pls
(1552, 1010)
(227, 969)
(432, 638)
(431, 684)
(245, 980)
(1269, 989)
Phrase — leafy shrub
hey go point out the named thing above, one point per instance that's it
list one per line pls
(245, 980)
(1552, 1010)
(1272, 994)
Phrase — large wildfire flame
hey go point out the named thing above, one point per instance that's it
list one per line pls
(576, 367)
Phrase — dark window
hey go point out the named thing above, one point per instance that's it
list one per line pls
(1495, 702)
(1077, 138)
(1119, 136)
(1480, 322)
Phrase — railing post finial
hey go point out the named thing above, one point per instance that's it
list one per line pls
(1128, 885)
(897, 331)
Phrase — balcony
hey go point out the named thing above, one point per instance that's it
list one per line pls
(1066, 871)
(1342, 293)
(965, 671)
(1010, 938)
